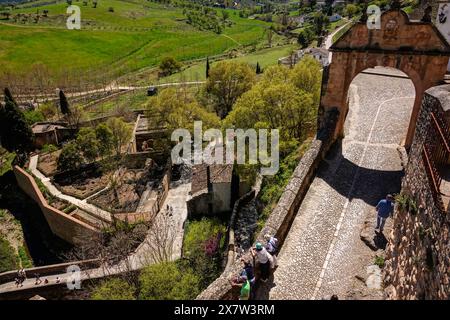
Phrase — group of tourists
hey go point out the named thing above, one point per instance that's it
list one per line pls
(21, 277)
(266, 259)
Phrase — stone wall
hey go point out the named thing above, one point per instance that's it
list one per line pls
(50, 269)
(61, 224)
(418, 254)
(280, 220)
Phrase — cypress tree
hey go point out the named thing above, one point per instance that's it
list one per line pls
(207, 67)
(63, 103)
(258, 68)
(15, 133)
(8, 96)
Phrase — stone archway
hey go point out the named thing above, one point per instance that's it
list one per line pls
(416, 48)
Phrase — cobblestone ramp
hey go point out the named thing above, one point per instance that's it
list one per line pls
(323, 251)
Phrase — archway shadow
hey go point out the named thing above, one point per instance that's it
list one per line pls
(357, 182)
(353, 182)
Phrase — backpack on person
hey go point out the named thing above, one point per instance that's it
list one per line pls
(245, 291)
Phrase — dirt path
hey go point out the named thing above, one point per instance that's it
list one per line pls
(323, 253)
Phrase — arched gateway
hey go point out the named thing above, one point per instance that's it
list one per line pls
(416, 48)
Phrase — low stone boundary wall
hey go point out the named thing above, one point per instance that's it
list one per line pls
(52, 269)
(280, 220)
(61, 224)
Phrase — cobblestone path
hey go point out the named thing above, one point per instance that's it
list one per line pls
(323, 251)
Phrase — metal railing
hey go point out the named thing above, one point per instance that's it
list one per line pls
(436, 154)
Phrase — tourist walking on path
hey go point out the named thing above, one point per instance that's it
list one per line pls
(384, 210)
(272, 248)
(265, 260)
(38, 279)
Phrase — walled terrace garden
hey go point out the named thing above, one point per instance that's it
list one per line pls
(95, 178)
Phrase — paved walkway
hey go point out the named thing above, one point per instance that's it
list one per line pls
(323, 251)
(82, 204)
(168, 230)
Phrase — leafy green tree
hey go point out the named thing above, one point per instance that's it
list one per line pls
(114, 289)
(165, 281)
(88, 144)
(305, 37)
(227, 81)
(15, 132)
(169, 65)
(320, 23)
(63, 103)
(70, 157)
(306, 76)
(121, 132)
(351, 10)
(328, 7)
(284, 99)
(105, 139)
(33, 116)
(172, 109)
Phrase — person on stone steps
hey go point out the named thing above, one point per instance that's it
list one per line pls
(384, 210)
(265, 260)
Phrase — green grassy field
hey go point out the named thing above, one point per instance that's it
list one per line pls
(265, 58)
(137, 34)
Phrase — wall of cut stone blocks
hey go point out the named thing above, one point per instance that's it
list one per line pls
(418, 254)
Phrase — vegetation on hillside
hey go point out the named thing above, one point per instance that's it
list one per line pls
(8, 259)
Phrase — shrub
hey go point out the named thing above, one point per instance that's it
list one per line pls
(167, 281)
(33, 116)
(88, 144)
(70, 157)
(169, 65)
(379, 261)
(202, 243)
(25, 260)
(49, 148)
(114, 289)
(8, 259)
(198, 232)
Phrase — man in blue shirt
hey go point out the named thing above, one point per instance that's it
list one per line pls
(384, 210)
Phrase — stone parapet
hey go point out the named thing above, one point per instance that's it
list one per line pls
(280, 220)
